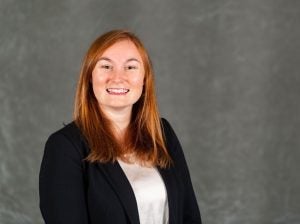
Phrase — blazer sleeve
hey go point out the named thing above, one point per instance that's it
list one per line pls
(61, 183)
(191, 213)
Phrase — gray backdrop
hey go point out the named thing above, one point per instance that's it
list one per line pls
(227, 75)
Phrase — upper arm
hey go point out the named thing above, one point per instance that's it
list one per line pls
(191, 213)
(61, 183)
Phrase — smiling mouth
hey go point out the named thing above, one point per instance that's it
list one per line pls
(117, 91)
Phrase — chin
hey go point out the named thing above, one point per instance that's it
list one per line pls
(116, 106)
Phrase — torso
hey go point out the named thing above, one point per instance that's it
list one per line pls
(150, 192)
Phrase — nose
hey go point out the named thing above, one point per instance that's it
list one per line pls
(118, 75)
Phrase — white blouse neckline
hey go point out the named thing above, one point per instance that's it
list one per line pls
(150, 192)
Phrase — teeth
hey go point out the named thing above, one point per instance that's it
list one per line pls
(117, 90)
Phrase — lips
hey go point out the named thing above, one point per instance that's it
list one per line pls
(117, 91)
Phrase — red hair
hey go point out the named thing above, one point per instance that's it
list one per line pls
(144, 136)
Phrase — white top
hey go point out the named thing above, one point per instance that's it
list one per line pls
(150, 193)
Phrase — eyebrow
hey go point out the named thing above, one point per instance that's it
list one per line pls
(128, 60)
(105, 58)
(133, 59)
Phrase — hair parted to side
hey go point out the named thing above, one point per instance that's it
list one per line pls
(144, 135)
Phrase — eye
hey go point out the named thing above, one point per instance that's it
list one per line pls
(131, 67)
(106, 67)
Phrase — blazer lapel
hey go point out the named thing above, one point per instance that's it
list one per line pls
(120, 184)
(171, 186)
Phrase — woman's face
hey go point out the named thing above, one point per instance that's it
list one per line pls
(118, 77)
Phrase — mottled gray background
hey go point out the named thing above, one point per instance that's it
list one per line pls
(227, 76)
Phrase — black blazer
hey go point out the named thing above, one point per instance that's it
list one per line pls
(73, 191)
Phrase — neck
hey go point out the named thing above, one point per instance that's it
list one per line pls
(120, 119)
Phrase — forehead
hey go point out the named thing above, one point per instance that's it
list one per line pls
(122, 49)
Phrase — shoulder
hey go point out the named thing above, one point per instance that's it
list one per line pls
(168, 131)
(67, 140)
(170, 137)
(70, 132)
(174, 148)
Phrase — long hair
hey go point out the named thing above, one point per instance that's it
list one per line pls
(144, 136)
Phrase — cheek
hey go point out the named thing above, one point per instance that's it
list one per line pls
(138, 80)
(98, 79)
(98, 85)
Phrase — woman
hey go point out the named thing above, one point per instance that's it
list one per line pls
(117, 162)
